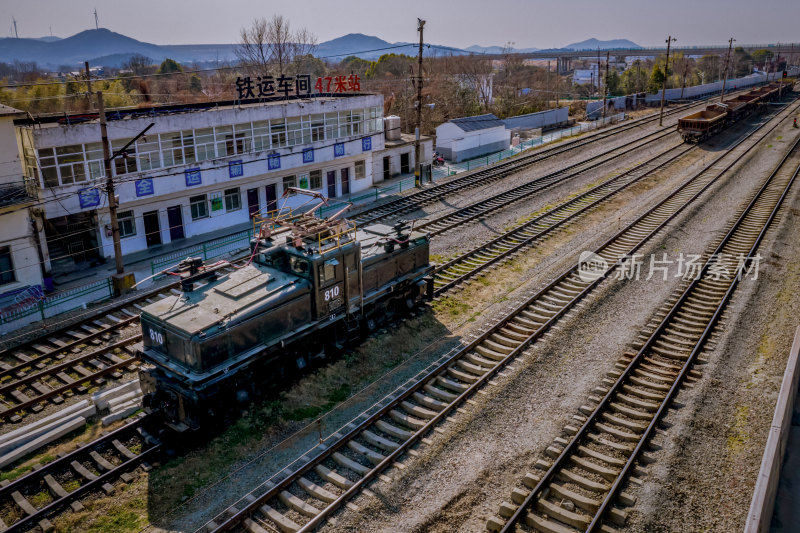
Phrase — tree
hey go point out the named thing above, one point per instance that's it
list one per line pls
(308, 64)
(741, 63)
(139, 64)
(396, 65)
(271, 45)
(195, 84)
(169, 66)
(355, 65)
(656, 79)
(613, 85)
(761, 57)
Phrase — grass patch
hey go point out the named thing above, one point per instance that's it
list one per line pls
(40, 499)
(17, 472)
(71, 485)
(450, 307)
(117, 519)
(738, 434)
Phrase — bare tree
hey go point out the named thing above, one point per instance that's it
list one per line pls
(271, 45)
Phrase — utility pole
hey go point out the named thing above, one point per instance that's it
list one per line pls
(670, 38)
(683, 84)
(725, 76)
(779, 78)
(88, 84)
(112, 199)
(605, 86)
(558, 67)
(548, 84)
(417, 132)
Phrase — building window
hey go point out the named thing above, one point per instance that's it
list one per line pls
(289, 181)
(6, 266)
(47, 164)
(361, 170)
(277, 130)
(204, 144)
(70, 164)
(317, 127)
(199, 206)
(233, 199)
(127, 224)
(124, 163)
(316, 179)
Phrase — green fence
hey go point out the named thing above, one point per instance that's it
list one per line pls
(207, 250)
(25, 312)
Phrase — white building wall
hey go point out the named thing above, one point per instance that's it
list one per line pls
(471, 144)
(16, 230)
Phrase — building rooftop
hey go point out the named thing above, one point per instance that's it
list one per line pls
(55, 119)
(479, 122)
(8, 110)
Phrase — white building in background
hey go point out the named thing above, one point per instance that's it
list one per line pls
(464, 138)
(20, 267)
(200, 168)
(585, 76)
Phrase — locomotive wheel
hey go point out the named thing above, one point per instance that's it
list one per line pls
(370, 325)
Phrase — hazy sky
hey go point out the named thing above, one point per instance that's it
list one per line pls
(460, 23)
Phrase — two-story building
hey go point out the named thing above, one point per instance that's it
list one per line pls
(199, 168)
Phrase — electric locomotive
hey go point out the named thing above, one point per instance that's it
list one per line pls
(311, 285)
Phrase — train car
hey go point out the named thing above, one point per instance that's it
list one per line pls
(700, 125)
(311, 286)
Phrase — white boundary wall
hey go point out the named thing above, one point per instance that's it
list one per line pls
(769, 475)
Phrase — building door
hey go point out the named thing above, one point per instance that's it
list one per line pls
(175, 219)
(331, 184)
(404, 167)
(387, 173)
(345, 181)
(152, 229)
(272, 198)
(252, 202)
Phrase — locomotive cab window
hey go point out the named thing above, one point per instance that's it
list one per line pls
(327, 271)
(299, 266)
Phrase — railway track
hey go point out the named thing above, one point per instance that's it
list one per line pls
(47, 368)
(591, 466)
(30, 501)
(302, 498)
(415, 200)
(504, 247)
(481, 208)
(73, 359)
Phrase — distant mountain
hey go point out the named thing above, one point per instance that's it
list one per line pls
(497, 49)
(594, 44)
(84, 46)
(106, 48)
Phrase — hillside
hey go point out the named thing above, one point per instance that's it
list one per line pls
(594, 44)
